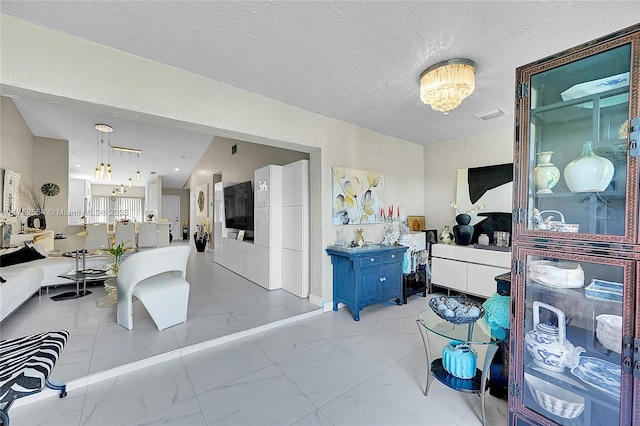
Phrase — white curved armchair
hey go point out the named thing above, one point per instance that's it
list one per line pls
(157, 278)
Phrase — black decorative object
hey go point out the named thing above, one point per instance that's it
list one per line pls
(42, 222)
(463, 232)
(200, 244)
(200, 238)
(494, 221)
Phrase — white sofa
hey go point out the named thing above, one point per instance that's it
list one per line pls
(25, 279)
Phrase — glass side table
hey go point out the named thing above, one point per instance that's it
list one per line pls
(478, 333)
(83, 276)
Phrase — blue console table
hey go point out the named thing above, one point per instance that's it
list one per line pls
(364, 276)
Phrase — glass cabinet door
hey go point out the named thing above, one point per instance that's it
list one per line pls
(572, 337)
(574, 139)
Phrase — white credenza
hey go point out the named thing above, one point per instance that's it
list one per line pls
(467, 269)
(41, 238)
(245, 259)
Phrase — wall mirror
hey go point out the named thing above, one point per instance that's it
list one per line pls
(11, 191)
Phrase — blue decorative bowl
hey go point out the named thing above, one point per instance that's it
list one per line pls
(456, 309)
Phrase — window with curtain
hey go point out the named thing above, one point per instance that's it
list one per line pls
(129, 208)
(99, 211)
(111, 209)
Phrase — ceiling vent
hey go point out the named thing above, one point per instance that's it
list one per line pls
(488, 115)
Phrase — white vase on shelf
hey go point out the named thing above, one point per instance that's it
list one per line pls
(545, 175)
(589, 172)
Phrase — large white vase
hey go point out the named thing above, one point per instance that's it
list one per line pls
(589, 172)
(545, 175)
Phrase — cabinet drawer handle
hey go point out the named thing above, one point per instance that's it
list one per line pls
(383, 279)
(393, 256)
(372, 259)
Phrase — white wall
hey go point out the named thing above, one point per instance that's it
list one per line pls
(51, 164)
(16, 142)
(45, 65)
(444, 159)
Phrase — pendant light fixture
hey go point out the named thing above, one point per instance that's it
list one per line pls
(138, 172)
(101, 169)
(121, 184)
(98, 151)
(130, 182)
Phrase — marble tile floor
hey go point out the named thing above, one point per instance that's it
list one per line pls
(324, 369)
(221, 303)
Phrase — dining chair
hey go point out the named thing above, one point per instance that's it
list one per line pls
(147, 235)
(126, 233)
(162, 233)
(97, 236)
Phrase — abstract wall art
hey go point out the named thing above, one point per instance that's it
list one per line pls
(358, 196)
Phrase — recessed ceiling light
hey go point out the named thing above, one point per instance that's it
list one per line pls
(492, 113)
(78, 165)
(176, 169)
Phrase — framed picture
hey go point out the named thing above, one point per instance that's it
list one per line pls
(240, 235)
(358, 196)
(432, 237)
(416, 223)
(202, 200)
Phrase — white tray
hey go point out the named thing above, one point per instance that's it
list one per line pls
(598, 86)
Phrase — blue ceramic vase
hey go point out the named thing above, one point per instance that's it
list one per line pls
(459, 360)
(463, 232)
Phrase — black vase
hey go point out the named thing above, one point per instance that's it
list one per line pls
(201, 244)
(463, 232)
(37, 221)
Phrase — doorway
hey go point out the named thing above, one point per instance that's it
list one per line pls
(171, 212)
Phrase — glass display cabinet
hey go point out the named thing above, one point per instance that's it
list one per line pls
(575, 333)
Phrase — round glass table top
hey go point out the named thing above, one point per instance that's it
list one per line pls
(479, 332)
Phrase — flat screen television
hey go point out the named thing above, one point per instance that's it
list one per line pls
(238, 206)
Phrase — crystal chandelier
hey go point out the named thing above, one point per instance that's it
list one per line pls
(445, 84)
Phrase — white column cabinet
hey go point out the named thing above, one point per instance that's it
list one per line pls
(295, 228)
(267, 229)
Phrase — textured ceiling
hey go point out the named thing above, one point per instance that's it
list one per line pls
(358, 61)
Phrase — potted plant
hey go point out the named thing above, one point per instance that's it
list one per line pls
(200, 237)
(117, 252)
